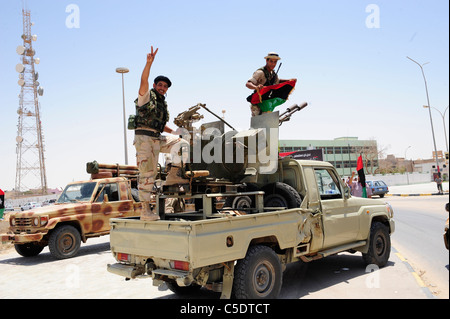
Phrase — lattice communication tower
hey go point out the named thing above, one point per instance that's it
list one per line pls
(30, 165)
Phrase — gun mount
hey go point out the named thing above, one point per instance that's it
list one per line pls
(233, 159)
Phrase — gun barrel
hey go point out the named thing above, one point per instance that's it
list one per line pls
(286, 116)
(204, 106)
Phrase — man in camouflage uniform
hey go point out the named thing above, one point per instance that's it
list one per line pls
(150, 121)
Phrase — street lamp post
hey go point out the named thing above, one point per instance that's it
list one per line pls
(407, 176)
(429, 110)
(443, 120)
(123, 71)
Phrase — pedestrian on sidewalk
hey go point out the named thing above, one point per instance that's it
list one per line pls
(438, 181)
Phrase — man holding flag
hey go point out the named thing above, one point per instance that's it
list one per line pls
(269, 90)
(361, 176)
(2, 204)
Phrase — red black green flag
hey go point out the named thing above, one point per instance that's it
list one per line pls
(2, 203)
(269, 97)
(361, 175)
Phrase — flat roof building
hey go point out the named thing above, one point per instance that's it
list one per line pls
(342, 152)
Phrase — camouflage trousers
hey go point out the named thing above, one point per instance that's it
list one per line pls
(147, 154)
(255, 110)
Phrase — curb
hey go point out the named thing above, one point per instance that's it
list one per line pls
(427, 194)
(419, 280)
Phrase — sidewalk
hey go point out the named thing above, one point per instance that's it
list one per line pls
(425, 189)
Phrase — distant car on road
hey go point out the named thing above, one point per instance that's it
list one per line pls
(30, 205)
(9, 208)
(48, 202)
(378, 188)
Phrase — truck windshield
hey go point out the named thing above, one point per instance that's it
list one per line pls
(77, 193)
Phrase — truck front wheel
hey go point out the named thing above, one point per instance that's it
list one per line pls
(258, 275)
(379, 245)
(64, 242)
(28, 249)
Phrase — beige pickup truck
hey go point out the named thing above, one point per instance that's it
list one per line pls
(303, 212)
(82, 211)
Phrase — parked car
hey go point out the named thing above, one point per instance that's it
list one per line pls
(30, 205)
(9, 208)
(378, 188)
(48, 202)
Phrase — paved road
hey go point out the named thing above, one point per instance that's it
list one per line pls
(85, 276)
(418, 236)
(342, 276)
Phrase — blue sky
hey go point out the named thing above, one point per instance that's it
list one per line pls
(356, 79)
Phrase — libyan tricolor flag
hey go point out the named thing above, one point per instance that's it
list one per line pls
(2, 203)
(269, 97)
(361, 175)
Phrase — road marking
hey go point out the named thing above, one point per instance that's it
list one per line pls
(401, 257)
(419, 280)
(416, 276)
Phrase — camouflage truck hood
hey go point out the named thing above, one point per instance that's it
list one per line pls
(56, 210)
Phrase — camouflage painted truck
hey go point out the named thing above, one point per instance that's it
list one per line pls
(302, 211)
(82, 211)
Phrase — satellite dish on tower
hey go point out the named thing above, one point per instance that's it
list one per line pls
(41, 91)
(37, 60)
(34, 37)
(19, 139)
(20, 50)
(20, 68)
(21, 82)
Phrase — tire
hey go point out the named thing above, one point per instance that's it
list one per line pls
(448, 239)
(238, 202)
(29, 249)
(64, 242)
(281, 195)
(379, 245)
(258, 275)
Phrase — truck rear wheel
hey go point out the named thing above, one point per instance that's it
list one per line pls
(64, 242)
(28, 249)
(258, 275)
(379, 245)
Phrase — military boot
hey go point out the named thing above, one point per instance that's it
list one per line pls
(148, 212)
(174, 177)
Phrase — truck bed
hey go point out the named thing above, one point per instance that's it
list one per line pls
(207, 242)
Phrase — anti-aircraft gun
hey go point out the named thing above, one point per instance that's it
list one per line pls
(228, 164)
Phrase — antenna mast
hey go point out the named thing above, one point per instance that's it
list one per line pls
(30, 165)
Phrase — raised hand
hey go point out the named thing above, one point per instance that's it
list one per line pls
(151, 56)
